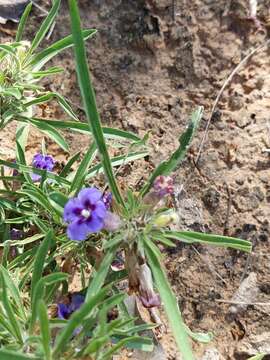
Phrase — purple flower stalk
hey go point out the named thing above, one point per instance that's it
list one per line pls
(148, 297)
(163, 185)
(65, 310)
(85, 214)
(45, 162)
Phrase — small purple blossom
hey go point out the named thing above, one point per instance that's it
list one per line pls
(65, 310)
(16, 234)
(85, 214)
(163, 185)
(107, 199)
(44, 162)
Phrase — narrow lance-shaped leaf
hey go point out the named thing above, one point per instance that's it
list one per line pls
(166, 167)
(45, 26)
(191, 237)
(170, 304)
(89, 99)
(44, 329)
(23, 22)
(40, 261)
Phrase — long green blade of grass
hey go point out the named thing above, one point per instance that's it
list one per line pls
(89, 98)
(23, 22)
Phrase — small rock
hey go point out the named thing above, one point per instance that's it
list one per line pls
(212, 354)
(211, 199)
(246, 293)
(253, 345)
(11, 10)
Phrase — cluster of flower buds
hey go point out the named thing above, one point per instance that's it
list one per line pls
(163, 186)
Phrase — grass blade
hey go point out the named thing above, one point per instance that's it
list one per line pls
(170, 305)
(14, 355)
(166, 167)
(89, 99)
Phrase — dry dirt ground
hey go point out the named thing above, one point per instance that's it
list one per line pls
(153, 62)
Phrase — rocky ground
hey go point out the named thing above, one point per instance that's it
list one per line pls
(153, 62)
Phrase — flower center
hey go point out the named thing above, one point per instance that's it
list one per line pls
(86, 213)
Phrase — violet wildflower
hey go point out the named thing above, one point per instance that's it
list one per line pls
(148, 297)
(16, 234)
(65, 310)
(85, 214)
(44, 162)
(107, 199)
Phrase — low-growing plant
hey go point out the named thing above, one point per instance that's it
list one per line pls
(54, 221)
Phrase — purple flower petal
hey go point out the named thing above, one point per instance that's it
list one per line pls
(76, 302)
(112, 222)
(63, 311)
(72, 210)
(89, 196)
(94, 224)
(35, 177)
(100, 210)
(107, 199)
(78, 230)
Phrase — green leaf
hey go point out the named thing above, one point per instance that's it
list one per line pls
(38, 294)
(51, 71)
(116, 161)
(40, 261)
(50, 132)
(44, 329)
(89, 100)
(67, 168)
(13, 322)
(58, 201)
(130, 341)
(23, 22)
(166, 167)
(192, 237)
(12, 355)
(257, 357)
(83, 128)
(170, 305)
(12, 91)
(200, 337)
(99, 277)
(47, 54)
(75, 320)
(82, 170)
(13, 291)
(45, 26)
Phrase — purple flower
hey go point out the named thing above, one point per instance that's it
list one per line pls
(65, 310)
(85, 214)
(107, 199)
(163, 185)
(16, 234)
(45, 162)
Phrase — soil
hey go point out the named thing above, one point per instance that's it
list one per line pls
(153, 62)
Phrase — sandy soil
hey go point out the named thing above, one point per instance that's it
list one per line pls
(152, 63)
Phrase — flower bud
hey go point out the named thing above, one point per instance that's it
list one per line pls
(147, 295)
(166, 219)
(163, 185)
(112, 222)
